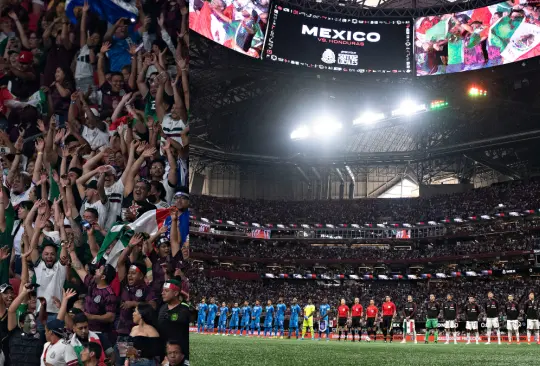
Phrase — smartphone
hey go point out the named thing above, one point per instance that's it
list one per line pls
(4, 150)
(86, 225)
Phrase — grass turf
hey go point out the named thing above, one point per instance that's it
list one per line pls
(218, 350)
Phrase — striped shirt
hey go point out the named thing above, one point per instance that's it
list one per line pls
(115, 194)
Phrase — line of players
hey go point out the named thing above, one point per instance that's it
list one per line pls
(248, 319)
(352, 318)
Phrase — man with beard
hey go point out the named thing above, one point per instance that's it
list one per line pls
(134, 291)
(174, 316)
(25, 343)
(49, 272)
(6, 298)
(82, 336)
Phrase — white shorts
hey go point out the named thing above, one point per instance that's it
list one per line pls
(532, 324)
(471, 325)
(450, 324)
(512, 325)
(492, 323)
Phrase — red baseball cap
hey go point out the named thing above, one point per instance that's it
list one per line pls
(26, 57)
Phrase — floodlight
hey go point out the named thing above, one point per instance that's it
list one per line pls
(300, 133)
(408, 108)
(368, 118)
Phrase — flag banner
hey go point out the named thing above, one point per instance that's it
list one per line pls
(338, 43)
(297, 276)
(270, 275)
(204, 228)
(260, 234)
(120, 234)
(408, 326)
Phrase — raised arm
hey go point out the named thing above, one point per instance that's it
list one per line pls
(101, 63)
(84, 20)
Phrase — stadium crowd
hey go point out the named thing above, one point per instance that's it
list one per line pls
(298, 249)
(93, 120)
(517, 195)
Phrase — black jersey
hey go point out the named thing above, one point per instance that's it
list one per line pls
(472, 311)
(531, 309)
(409, 310)
(492, 308)
(450, 310)
(433, 309)
(512, 310)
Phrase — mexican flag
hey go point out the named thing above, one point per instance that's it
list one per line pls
(120, 234)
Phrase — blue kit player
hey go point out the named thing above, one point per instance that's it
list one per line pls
(256, 318)
(201, 319)
(222, 322)
(235, 317)
(268, 318)
(324, 325)
(210, 318)
(295, 314)
(280, 318)
(246, 317)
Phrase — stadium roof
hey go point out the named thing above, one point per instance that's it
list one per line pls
(245, 106)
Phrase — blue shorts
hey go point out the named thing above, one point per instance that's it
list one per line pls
(233, 324)
(279, 322)
(293, 323)
(210, 322)
(268, 324)
(200, 321)
(256, 323)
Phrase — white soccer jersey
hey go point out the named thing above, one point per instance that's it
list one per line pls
(115, 194)
(59, 354)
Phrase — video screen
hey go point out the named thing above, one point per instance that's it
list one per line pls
(340, 44)
(490, 36)
(236, 24)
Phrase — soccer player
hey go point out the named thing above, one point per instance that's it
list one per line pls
(371, 318)
(512, 323)
(471, 315)
(256, 318)
(324, 310)
(246, 312)
(432, 319)
(293, 319)
(211, 317)
(280, 318)
(409, 313)
(309, 311)
(388, 312)
(201, 319)
(235, 315)
(269, 316)
(222, 322)
(492, 315)
(450, 312)
(343, 314)
(357, 312)
(531, 311)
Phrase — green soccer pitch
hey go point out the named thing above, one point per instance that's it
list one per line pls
(241, 351)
